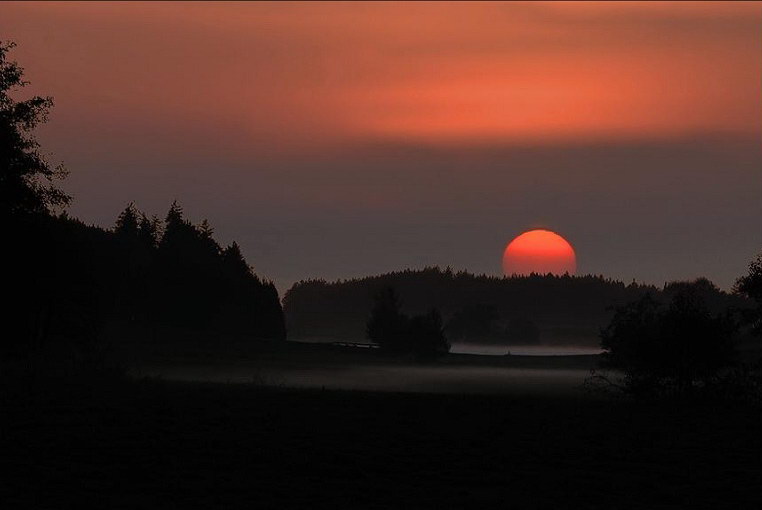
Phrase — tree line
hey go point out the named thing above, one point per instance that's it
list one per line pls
(481, 308)
(144, 275)
(66, 281)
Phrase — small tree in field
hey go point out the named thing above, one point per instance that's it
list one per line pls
(426, 336)
(421, 336)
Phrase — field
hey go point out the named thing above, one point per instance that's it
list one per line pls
(117, 442)
(323, 366)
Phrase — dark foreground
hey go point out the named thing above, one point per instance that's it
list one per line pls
(116, 443)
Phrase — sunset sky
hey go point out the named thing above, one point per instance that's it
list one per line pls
(344, 139)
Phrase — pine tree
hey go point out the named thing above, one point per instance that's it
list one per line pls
(174, 222)
(127, 223)
(149, 230)
(234, 262)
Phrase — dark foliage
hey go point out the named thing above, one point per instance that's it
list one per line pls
(66, 280)
(427, 337)
(73, 279)
(421, 336)
(477, 322)
(26, 178)
(483, 324)
(669, 349)
(182, 277)
(565, 309)
(387, 325)
(750, 285)
(522, 331)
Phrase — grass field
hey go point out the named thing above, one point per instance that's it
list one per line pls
(121, 443)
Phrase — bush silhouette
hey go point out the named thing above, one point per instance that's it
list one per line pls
(387, 325)
(426, 336)
(672, 349)
(421, 336)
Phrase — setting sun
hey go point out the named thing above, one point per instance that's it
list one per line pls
(539, 251)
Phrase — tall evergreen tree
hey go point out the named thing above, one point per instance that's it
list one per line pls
(233, 261)
(149, 230)
(127, 224)
(174, 225)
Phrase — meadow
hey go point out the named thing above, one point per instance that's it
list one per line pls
(145, 442)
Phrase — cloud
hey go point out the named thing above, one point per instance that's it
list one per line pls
(299, 77)
(381, 135)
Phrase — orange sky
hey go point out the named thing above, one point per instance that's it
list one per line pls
(390, 135)
(300, 75)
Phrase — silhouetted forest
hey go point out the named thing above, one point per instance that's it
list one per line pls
(67, 281)
(145, 274)
(479, 308)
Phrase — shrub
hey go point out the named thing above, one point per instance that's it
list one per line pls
(672, 349)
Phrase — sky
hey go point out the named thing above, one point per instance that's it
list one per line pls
(337, 140)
